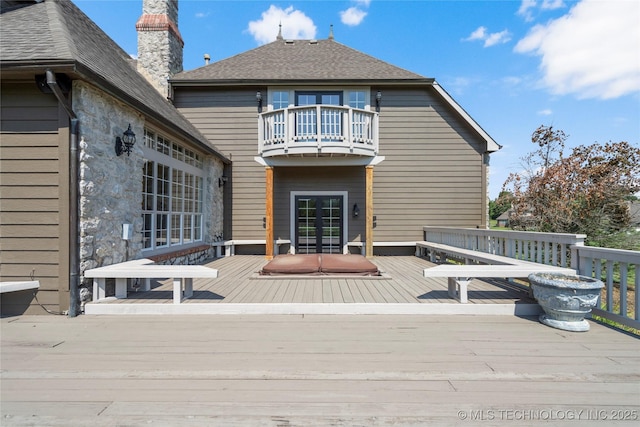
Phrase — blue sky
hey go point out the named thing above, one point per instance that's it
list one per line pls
(513, 65)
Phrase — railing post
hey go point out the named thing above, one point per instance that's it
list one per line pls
(319, 126)
(260, 134)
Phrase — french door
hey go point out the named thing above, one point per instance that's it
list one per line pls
(319, 224)
(307, 120)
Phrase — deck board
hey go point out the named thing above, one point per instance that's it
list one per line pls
(238, 283)
(265, 370)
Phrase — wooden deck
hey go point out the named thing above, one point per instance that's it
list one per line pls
(401, 290)
(310, 370)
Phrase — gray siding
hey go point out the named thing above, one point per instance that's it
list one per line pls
(433, 173)
(34, 204)
(229, 119)
(338, 179)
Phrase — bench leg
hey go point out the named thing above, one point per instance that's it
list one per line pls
(99, 290)
(457, 287)
(177, 291)
(121, 288)
(188, 287)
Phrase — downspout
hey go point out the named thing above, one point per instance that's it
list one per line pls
(74, 179)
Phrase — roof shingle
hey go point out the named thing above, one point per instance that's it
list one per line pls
(301, 60)
(50, 32)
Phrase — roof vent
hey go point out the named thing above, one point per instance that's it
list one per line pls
(313, 41)
(289, 42)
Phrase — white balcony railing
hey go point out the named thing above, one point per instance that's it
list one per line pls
(618, 269)
(318, 130)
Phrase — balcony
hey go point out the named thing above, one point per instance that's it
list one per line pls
(318, 130)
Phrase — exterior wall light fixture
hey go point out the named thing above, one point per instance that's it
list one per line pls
(222, 180)
(259, 99)
(356, 210)
(378, 101)
(125, 144)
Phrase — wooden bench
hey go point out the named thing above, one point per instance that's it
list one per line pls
(230, 245)
(459, 276)
(181, 275)
(18, 286)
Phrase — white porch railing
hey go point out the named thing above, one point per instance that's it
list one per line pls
(318, 129)
(564, 250)
(613, 265)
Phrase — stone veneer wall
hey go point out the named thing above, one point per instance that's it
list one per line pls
(111, 186)
(160, 45)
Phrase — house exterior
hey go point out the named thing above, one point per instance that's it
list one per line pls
(333, 148)
(307, 142)
(68, 91)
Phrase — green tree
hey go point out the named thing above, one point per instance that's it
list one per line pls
(585, 192)
(500, 205)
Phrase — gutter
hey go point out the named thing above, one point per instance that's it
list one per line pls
(74, 179)
(287, 82)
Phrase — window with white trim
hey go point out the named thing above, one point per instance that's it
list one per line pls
(172, 194)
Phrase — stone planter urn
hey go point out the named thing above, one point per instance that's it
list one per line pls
(565, 299)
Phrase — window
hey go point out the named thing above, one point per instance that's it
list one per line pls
(313, 98)
(171, 194)
(357, 99)
(280, 100)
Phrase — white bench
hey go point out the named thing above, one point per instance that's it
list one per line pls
(230, 245)
(181, 275)
(459, 276)
(18, 286)
(363, 248)
(440, 251)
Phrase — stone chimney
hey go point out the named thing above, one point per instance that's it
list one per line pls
(159, 42)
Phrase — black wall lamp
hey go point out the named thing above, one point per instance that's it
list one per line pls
(259, 99)
(222, 181)
(125, 144)
(378, 101)
(356, 210)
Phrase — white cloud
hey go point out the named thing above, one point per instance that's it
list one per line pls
(497, 38)
(545, 112)
(479, 34)
(591, 52)
(200, 15)
(352, 16)
(525, 9)
(295, 25)
(489, 39)
(552, 4)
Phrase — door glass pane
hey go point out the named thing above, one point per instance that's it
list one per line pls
(305, 99)
(306, 225)
(331, 225)
(330, 99)
(319, 225)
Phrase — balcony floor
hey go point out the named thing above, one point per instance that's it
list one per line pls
(403, 290)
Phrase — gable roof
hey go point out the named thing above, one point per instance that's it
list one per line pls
(61, 37)
(300, 60)
(314, 62)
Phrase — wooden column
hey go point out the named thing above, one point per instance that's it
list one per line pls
(369, 211)
(269, 212)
